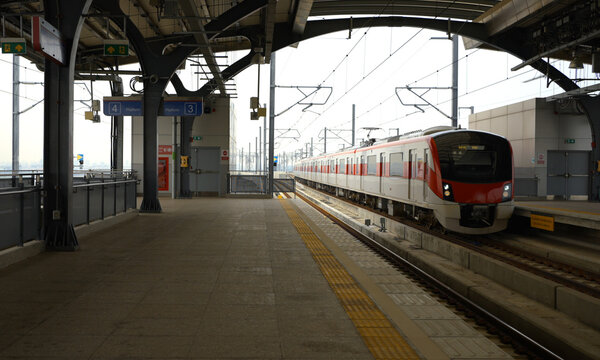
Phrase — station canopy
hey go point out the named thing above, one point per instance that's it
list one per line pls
(530, 29)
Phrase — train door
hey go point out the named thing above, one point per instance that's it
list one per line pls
(381, 171)
(347, 169)
(361, 172)
(425, 173)
(412, 172)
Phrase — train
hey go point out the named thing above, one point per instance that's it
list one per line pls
(458, 178)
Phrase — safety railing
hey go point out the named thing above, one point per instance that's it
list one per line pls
(96, 195)
(257, 184)
(284, 185)
(20, 215)
(247, 184)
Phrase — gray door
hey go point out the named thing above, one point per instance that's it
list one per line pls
(568, 173)
(205, 171)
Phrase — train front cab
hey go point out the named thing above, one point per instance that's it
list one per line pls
(474, 182)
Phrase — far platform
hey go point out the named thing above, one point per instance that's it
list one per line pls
(585, 214)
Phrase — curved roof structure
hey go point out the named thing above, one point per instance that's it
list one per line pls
(530, 29)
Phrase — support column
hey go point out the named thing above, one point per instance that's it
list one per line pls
(271, 123)
(15, 109)
(187, 122)
(455, 80)
(152, 99)
(116, 159)
(591, 106)
(58, 127)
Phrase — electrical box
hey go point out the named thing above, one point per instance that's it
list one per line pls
(253, 102)
(262, 112)
(95, 105)
(253, 115)
(89, 115)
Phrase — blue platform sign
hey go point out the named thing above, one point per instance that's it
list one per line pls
(132, 106)
(181, 106)
(123, 106)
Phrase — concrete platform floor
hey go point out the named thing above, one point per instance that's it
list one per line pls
(206, 279)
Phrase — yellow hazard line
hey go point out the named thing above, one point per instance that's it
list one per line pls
(378, 333)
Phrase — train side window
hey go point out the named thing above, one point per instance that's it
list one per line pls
(396, 164)
(332, 168)
(350, 166)
(372, 165)
(342, 166)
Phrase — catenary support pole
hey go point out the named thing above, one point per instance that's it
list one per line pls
(455, 80)
(15, 110)
(271, 123)
(353, 122)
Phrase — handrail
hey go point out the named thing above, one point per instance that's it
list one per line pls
(16, 192)
(104, 183)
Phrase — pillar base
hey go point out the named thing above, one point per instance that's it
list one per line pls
(150, 206)
(61, 236)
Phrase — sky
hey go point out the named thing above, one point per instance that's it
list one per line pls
(368, 69)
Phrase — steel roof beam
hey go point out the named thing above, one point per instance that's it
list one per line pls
(190, 8)
(269, 27)
(146, 14)
(303, 9)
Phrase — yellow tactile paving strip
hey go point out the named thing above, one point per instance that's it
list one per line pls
(378, 333)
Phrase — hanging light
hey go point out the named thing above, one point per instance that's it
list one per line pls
(576, 62)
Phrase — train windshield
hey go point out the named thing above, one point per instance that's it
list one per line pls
(473, 157)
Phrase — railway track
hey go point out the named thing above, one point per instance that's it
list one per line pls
(522, 345)
(492, 246)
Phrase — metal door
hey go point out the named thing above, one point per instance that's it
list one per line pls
(412, 173)
(425, 173)
(362, 171)
(568, 173)
(381, 171)
(206, 168)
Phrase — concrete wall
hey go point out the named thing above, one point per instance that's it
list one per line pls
(214, 128)
(533, 127)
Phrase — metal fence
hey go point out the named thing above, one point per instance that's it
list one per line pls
(284, 185)
(247, 184)
(96, 195)
(98, 198)
(257, 184)
(20, 216)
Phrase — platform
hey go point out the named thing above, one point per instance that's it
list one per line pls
(585, 214)
(217, 278)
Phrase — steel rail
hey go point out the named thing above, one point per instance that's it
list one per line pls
(520, 337)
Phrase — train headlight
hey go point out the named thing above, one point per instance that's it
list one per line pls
(507, 192)
(447, 192)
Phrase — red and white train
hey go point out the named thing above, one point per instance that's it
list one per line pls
(461, 178)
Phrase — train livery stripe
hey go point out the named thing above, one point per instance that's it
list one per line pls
(378, 333)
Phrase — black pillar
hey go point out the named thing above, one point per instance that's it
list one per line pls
(58, 127)
(116, 131)
(152, 99)
(591, 106)
(187, 122)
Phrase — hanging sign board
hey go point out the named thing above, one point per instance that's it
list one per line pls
(182, 106)
(123, 106)
(48, 40)
(14, 46)
(165, 149)
(116, 47)
(133, 106)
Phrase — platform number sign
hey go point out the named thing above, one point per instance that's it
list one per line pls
(190, 108)
(275, 158)
(114, 109)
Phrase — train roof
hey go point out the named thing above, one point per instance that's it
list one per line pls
(432, 132)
